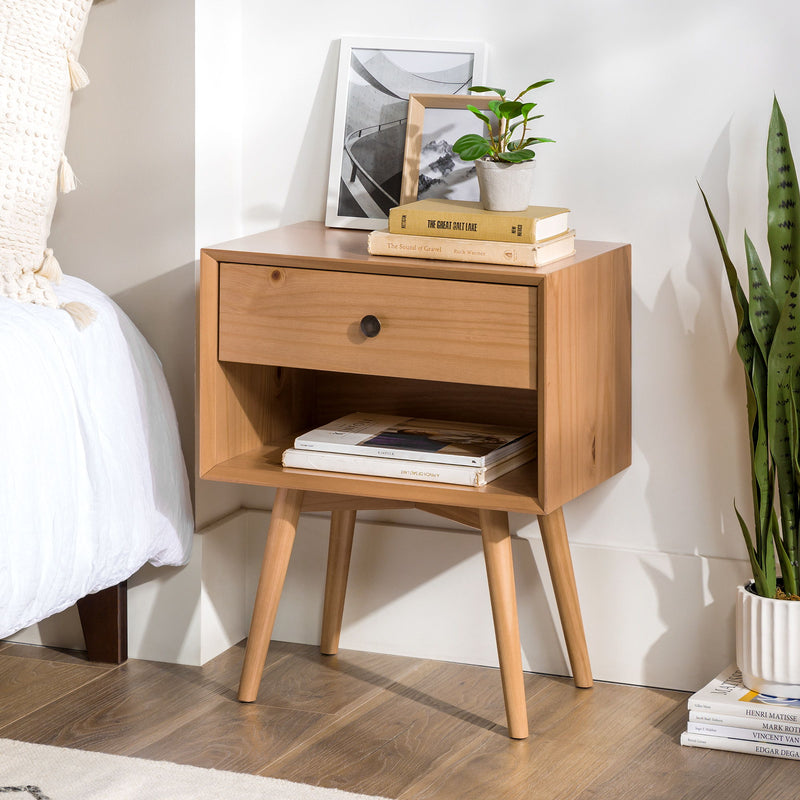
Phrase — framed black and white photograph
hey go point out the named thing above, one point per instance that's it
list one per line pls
(375, 79)
(430, 167)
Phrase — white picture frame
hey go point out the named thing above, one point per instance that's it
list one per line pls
(376, 76)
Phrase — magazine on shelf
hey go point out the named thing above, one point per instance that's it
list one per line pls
(406, 469)
(416, 439)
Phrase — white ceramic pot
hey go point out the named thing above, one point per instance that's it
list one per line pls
(505, 186)
(768, 643)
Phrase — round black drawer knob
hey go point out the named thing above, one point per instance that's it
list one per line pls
(370, 326)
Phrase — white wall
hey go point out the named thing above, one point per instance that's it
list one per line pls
(649, 99)
(129, 227)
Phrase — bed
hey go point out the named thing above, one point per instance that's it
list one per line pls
(92, 480)
(93, 483)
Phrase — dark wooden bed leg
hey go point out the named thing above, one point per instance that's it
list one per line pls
(104, 619)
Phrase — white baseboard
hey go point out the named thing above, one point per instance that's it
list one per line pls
(654, 619)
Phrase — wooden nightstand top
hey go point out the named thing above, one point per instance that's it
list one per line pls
(313, 246)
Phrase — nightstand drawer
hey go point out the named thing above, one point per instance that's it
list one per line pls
(459, 331)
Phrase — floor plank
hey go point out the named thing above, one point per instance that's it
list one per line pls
(28, 684)
(382, 745)
(120, 712)
(302, 694)
(780, 784)
(574, 735)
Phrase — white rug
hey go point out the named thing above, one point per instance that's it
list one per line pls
(39, 772)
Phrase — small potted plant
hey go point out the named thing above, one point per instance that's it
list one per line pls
(768, 614)
(503, 157)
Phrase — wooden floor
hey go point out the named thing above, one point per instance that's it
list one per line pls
(397, 727)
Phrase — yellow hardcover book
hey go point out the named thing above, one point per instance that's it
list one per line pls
(514, 254)
(464, 219)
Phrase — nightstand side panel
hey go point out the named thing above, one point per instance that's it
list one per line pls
(585, 376)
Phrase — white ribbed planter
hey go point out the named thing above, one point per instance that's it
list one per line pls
(768, 643)
(505, 186)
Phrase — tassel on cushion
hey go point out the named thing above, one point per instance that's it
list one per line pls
(78, 77)
(50, 267)
(66, 177)
(82, 315)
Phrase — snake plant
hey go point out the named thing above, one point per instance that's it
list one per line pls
(768, 343)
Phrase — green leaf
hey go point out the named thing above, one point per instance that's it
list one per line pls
(763, 317)
(478, 113)
(472, 146)
(788, 549)
(782, 367)
(519, 144)
(509, 109)
(764, 312)
(762, 473)
(763, 585)
(501, 92)
(790, 585)
(768, 555)
(515, 156)
(745, 341)
(783, 203)
(536, 85)
(494, 107)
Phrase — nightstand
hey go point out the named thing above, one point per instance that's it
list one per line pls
(282, 349)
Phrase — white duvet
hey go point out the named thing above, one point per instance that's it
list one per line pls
(92, 479)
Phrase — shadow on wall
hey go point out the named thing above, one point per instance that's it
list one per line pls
(164, 311)
(696, 602)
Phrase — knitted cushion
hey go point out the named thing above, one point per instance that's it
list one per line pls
(39, 41)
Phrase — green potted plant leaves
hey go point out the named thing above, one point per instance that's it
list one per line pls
(503, 157)
(768, 343)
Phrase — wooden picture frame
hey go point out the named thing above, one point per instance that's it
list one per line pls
(375, 79)
(425, 127)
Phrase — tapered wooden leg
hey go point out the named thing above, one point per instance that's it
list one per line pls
(340, 545)
(500, 572)
(104, 620)
(278, 549)
(559, 561)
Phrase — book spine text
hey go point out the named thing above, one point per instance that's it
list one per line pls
(740, 746)
(463, 225)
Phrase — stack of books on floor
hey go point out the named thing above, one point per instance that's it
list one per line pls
(412, 448)
(461, 230)
(726, 715)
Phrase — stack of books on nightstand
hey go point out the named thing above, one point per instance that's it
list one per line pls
(461, 230)
(726, 715)
(412, 448)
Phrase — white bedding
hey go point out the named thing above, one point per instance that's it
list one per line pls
(92, 479)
